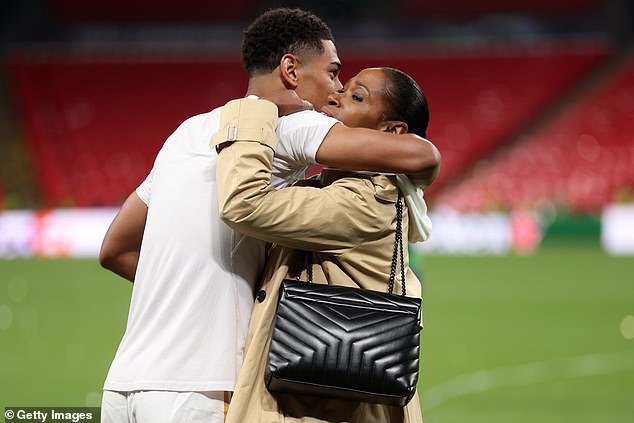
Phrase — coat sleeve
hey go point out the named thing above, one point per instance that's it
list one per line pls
(331, 219)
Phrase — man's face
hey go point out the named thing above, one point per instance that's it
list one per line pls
(318, 76)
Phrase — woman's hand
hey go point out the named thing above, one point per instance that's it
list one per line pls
(287, 102)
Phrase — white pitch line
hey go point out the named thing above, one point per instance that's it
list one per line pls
(526, 374)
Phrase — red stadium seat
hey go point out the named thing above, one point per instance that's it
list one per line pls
(94, 122)
(480, 97)
(581, 161)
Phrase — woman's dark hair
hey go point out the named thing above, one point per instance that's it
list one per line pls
(406, 101)
(278, 32)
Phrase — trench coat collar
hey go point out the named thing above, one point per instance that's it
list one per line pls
(384, 183)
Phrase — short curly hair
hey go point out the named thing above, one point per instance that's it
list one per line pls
(278, 32)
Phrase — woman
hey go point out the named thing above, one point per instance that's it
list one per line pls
(346, 228)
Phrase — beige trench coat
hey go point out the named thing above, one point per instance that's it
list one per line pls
(348, 227)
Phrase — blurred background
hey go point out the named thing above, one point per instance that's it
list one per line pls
(528, 277)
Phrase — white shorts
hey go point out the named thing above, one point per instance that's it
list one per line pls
(163, 407)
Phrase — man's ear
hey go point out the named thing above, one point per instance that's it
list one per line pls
(288, 70)
(394, 127)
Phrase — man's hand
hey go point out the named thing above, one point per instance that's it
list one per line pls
(287, 102)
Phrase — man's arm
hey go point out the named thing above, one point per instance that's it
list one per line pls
(122, 243)
(367, 149)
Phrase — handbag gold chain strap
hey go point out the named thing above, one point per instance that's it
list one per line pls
(398, 248)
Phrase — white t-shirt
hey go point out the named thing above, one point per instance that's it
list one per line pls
(193, 291)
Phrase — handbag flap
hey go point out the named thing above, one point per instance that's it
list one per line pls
(350, 297)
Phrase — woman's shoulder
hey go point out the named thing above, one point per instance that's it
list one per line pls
(379, 185)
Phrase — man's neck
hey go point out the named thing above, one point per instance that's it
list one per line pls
(265, 85)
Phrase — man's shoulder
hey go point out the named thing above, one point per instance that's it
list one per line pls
(202, 118)
(304, 119)
(200, 122)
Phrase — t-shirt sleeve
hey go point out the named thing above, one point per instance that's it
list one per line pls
(300, 135)
(143, 190)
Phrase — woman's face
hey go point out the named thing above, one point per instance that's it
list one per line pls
(360, 103)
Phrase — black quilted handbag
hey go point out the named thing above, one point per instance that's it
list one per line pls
(346, 343)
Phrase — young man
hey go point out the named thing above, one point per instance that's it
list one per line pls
(193, 276)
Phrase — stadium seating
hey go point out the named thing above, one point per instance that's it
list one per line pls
(581, 161)
(95, 121)
(94, 124)
(480, 97)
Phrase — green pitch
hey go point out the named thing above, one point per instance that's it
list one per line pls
(543, 338)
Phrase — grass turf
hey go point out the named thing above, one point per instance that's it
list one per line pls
(524, 339)
(506, 339)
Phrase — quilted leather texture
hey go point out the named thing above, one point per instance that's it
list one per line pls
(345, 343)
